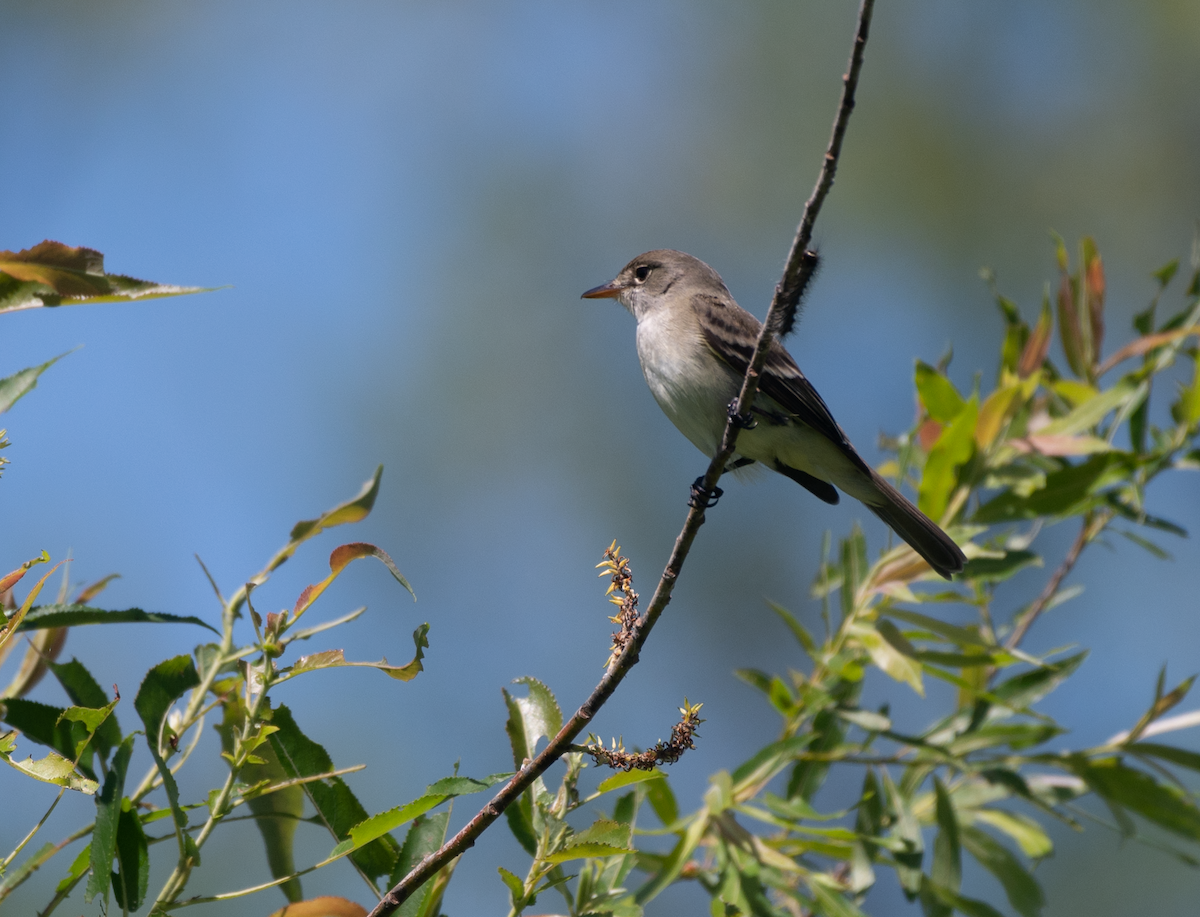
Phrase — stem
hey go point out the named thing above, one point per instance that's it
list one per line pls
(1093, 525)
(219, 807)
(796, 275)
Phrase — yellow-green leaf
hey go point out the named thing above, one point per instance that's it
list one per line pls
(899, 666)
(952, 450)
(53, 274)
(938, 394)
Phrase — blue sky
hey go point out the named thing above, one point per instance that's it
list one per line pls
(404, 203)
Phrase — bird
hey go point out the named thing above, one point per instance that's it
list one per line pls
(694, 343)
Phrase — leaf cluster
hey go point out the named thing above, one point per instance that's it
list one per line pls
(1043, 444)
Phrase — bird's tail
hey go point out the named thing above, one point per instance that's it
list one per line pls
(921, 532)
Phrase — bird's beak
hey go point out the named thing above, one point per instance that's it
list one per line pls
(610, 290)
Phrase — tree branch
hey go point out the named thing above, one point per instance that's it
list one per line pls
(797, 273)
(1092, 526)
(802, 262)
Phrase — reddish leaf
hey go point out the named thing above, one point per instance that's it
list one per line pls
(338, 561)
(324, 906)
(928, 433)
(1038, 345)
(15, 577)
(1094, 279)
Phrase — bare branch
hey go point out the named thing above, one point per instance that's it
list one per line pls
(797, 273)
(802, 262)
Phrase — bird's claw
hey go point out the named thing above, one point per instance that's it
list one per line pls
(703, 498)
(744, 421)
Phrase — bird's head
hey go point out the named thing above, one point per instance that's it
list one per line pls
(644, 283)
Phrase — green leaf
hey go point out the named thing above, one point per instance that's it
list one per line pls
(662, 800)
(53, 274)
(909, 849)
(803, 637)
(969, 906)
(31, 864)
(946, 870)
(79, 866)
(866, 720)
(938, 394)
(1180, 756)
(130, 881)
(1186, 410)
(426, 834)
(998, 569)
(1163, 275)
(377, 826)
(53, 768)
(953, 449)
(1163, 805)
(1021, 691)
(108, 812)
(828, 732)
(44, 616)
(1017, 736)
(516, 888)
(84, 691)
(796, 810)
(960, 636)
(1066, 492)
(1088, 414)
(1022, 890)
(769, 761)
(539, 712)
(832, 904)
(627, 778)
(45, 725)
(335, 803)
(520, 813)
(854, 568)
(16, 386)
(887, 657)
(519, 816)
(1145, 519)
(674, 862)
(603, 838)
(756, 678)
(163, 685)
(277, 814)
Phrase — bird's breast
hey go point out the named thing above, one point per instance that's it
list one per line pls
(689, 383)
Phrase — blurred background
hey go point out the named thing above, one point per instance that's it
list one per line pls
(405, 201)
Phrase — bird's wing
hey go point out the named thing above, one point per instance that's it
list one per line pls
(731, 333)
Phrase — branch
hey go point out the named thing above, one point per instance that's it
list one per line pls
(802, 262)
(1092, 526)
(797, 273)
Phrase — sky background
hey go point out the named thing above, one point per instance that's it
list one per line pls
(404, 201)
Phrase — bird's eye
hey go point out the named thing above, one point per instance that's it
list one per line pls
(641, 273)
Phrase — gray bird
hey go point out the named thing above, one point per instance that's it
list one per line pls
(694, 343)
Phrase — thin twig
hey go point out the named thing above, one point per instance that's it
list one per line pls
(1092, 526)
(796, 276)
(801, 262)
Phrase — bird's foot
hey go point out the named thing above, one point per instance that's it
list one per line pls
(744, 421)
(703, 498)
